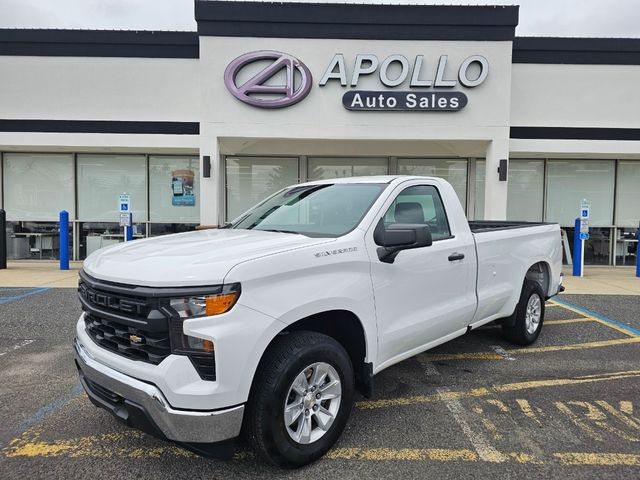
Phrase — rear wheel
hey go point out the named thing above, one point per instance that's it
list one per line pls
(529, 315)
(301, 399)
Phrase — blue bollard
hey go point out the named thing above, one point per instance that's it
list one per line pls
(129, 229)
(64, 240)
(577, 250)
(638, 253)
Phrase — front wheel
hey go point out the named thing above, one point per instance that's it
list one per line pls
(301, 399)
(527, 320)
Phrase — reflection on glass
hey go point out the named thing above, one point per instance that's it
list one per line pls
(252, 179)
(571, 181)
(97, 235)
(157, 229)
(454, 171)
(101, 178)
(38, 186)
(626, 246)
(596, 249)
(628, 194)
(323, 168)
(174, 189)
(525, 190)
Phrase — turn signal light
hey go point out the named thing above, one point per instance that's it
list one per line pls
(217, 304)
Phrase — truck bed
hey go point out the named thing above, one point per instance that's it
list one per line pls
(480, 226)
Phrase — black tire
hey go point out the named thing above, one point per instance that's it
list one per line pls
(286, 358)
(515, 331)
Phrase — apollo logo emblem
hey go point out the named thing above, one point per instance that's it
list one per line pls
(257, 92)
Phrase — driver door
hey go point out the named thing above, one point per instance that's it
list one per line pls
(427, 293)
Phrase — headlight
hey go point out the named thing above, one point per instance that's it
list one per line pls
(207, 305)
(200, 351)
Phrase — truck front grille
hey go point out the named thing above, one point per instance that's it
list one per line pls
(134, 343)
(125, 320)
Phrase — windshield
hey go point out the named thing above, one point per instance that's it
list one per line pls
(327, 210)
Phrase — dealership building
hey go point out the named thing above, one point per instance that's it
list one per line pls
(196, 127)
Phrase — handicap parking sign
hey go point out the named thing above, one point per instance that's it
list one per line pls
(124, 202)
(584, 236)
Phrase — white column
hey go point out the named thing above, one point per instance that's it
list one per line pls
(210, 200)
(495, 191)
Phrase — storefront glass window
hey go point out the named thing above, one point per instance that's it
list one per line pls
(627, 246)
(97, 235)
(157, 229)
(453, 171)
(322, 168)
(38, 186)
(596, 249)
(251, 179)
(481, 171)
(174, 189)
(101, 178)
(628, 194)
(525, 190)
(570, 181)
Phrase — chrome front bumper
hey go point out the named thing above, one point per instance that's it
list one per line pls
(141, 404)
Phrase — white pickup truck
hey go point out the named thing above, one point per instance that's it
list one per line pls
(266, 327)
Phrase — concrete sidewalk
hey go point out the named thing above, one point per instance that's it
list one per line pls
(603, 281)
(39, 273)
(597, 280)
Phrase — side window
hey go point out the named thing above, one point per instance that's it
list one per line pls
(420, 204)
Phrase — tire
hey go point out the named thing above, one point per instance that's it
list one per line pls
(299, 356)
(523, 331)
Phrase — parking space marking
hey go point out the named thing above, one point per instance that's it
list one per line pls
(620, 327)
(586, 416)
(495, 389)
(567, 321)
(104, 445)
(598, 458)
(528, 411)
(97, 447)
(480, 443)
(4, 300)
(550, 348)
(17, 346)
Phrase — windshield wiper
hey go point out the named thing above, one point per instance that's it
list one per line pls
(277, 231)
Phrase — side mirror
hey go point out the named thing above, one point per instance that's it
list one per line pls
(400, 236)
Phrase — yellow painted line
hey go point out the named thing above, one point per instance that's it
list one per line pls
(495, 389)
(594, 319)
(550, 348)
(567, 321)
(386, 454)
(577, 346)
(105, 445)
(415, 454)
(598, 458)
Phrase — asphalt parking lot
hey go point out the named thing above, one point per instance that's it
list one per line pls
(477, 407)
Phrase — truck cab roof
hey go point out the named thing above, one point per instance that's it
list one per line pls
(369, 179)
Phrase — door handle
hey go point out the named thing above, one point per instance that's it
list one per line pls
(456, 256)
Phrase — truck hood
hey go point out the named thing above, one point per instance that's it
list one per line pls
(189, 259)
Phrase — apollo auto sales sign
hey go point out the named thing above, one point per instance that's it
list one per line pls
(281, 80)
(257, 92)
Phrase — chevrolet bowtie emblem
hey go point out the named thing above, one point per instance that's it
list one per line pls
(135, 339)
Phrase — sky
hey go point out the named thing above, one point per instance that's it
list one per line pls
(565, 18)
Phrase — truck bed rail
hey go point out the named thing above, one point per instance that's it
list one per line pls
(480, 226)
